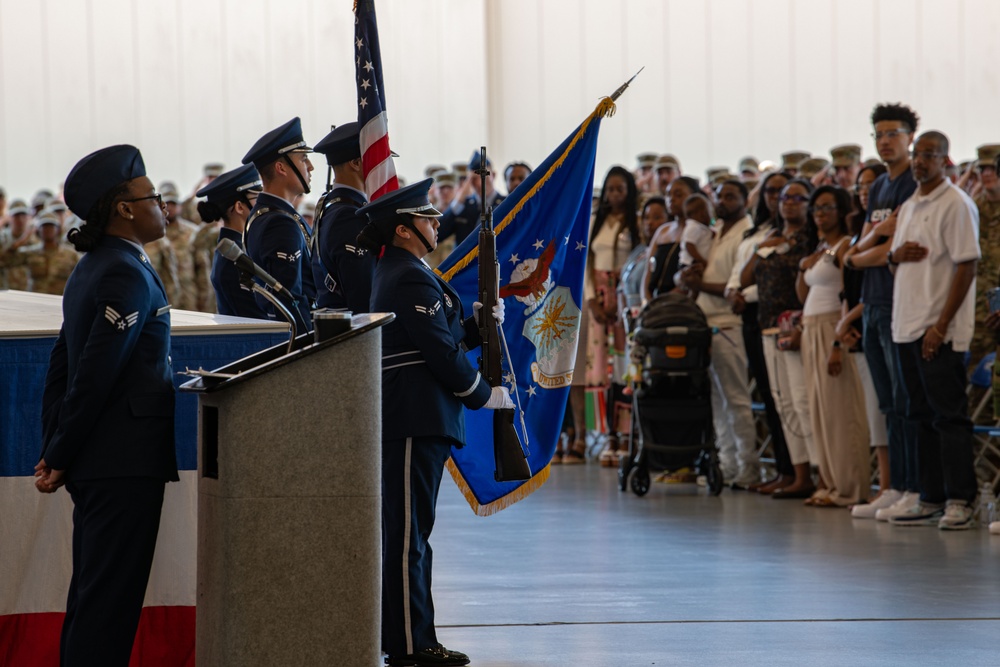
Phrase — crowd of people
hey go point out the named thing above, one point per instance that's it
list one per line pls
(853, 293)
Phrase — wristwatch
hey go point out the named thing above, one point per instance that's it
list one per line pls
(888, 259)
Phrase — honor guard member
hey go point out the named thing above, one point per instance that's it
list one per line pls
(230, 198)
(463, 214)
(342, 269)
(427, 381)
(276, 237)
(108, 405)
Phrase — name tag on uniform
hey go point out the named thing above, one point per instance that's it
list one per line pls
(161, 311)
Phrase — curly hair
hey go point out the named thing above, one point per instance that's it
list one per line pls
(900, 112)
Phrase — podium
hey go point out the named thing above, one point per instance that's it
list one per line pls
(289, 504)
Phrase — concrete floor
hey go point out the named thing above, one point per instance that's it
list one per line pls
(582, 574)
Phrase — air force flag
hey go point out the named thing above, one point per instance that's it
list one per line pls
(542, 231)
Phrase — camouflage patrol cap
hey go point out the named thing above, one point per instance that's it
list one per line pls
(987, 154)
(712, 172)
(813, 166)
(845, 155)
(46, 219)
(646, 159)
(444, 177)
(792, 159)
(722, 177)
(750, 164)
(667, 161)
(18, 206)
(432, 169)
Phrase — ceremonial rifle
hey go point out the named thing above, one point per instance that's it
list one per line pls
(508, 455)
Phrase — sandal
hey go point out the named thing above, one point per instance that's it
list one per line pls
(575, 454)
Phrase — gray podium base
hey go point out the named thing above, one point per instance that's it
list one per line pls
(289, 542)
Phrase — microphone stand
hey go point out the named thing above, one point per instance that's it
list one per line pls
(247, 279)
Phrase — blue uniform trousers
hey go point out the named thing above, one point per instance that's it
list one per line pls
(115, 522)
(412, 469)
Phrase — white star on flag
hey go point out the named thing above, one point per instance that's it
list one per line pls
(365, 84)
(539, 244)
(531, 390)
(363, 102)
(580, 245)
(368, 66)
(360, 43)
(566, 242)
(514, 259)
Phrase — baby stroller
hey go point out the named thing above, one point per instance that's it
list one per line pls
(673, 403)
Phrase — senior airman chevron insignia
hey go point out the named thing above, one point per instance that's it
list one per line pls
(120, 323)
(289, 256)
(430, 312)
(360, 252)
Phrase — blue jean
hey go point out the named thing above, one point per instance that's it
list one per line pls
(880, 352)
(938, 408)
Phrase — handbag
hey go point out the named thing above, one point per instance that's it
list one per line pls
(789, 330)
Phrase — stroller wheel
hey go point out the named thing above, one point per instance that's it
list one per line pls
(640, 481)
(715, 481)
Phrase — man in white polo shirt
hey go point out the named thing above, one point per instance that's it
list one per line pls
(734, 426)
(934, 253)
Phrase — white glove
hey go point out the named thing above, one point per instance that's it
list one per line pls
(498, 311)
(499, 400)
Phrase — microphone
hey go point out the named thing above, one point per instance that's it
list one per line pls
(234, 254)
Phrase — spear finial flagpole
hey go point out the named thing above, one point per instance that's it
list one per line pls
(607, 108)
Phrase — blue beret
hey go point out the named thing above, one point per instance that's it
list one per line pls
(411, 200)
(278, 142)
(95, 175)
(228, 187)
(474, 162)
(343, 144)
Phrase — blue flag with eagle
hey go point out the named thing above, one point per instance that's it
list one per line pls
(542, 234)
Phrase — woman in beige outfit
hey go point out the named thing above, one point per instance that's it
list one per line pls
(836, 398)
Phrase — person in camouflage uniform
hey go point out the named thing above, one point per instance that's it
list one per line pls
(181, 233)
(203, 249)
(18, 233)
(49, 262)
(163, 259)
(988, 269)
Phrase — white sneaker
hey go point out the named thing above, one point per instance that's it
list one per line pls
(907, 502)
(867, 511)
(995, 528)
(957, 516)
(921, 514)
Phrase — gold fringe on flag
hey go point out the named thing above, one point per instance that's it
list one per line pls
(503, 502)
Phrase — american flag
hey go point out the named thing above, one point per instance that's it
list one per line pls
(376, 158)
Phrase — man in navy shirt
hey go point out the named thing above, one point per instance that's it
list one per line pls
(894, 126)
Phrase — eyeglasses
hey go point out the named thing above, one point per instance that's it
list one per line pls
(862, 187)
(826, 208)
(157, 196)
(889, 134)
(800, 199)
(925, 155)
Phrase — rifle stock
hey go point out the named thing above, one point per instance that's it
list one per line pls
(510, 462)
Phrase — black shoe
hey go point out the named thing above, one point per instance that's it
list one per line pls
(435, 656)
